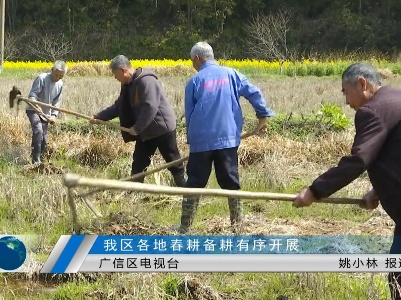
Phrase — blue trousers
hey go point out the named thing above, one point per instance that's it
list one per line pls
(39, 135)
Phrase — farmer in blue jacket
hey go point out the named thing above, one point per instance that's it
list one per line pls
(214, 125)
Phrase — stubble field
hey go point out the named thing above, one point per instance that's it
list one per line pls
(35, 202)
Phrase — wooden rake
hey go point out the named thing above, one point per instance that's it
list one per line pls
(155, 170)
(73, 180)
(34, 102)
(91, 206)
(15, 96)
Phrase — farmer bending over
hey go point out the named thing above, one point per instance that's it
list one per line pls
(214, 124)
(46, 88)
(376, 148)
(143, 107)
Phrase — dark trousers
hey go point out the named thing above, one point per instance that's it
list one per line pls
(144, 150)
(394, 279)
(225, 163)
(199, 167)
(39, 135)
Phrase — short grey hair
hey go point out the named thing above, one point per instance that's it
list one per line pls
(362, 70)
(203, 50)
(60, 65)
(120, 61)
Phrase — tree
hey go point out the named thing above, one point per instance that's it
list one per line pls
(50, 46)
(268, 37)
(12, 46)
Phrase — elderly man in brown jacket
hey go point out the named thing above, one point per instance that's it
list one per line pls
(376, 148)
(143, 107)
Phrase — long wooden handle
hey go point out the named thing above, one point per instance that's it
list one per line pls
(155, 170)
(73, 180)
(73, 113)
(40, 113)
(139, 175)
(172, 163)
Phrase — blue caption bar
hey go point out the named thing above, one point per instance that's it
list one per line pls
(240, 244)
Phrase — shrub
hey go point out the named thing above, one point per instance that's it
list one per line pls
(332, 115)
(298, 126)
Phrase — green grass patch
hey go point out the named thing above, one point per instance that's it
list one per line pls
(83, 127)
(21, 73)
(329, 118)
(78, 290)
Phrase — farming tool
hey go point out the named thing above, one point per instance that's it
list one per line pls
(155, 170)
(15, 94)
(73, 180)
(19, 98)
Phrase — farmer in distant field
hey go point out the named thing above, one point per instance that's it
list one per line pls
(214, 124)
(376, 148)
(143, 107)
(46, 88)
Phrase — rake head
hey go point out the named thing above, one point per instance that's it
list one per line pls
(13, 95)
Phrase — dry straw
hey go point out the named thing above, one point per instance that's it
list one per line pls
(86, 69)
(98, 152)
(102, 69)
(318, 150)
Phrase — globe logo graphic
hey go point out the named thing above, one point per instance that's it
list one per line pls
(12, 253)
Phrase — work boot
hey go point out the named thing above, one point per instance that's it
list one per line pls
(180, 180)
(35, 155)
(236, 211)
(189, 207)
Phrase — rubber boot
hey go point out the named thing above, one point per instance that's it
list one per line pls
(189, 208)
(236, 211)
(35, 155)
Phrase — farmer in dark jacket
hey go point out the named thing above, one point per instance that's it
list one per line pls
(144, 109)
(376, 148)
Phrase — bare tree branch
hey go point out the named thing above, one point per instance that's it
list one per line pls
(12, 46)
(268, 37)
(51, 46)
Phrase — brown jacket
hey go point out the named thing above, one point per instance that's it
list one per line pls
(376, 148)
(142, 104)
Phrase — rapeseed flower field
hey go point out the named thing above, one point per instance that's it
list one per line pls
(183, 66)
